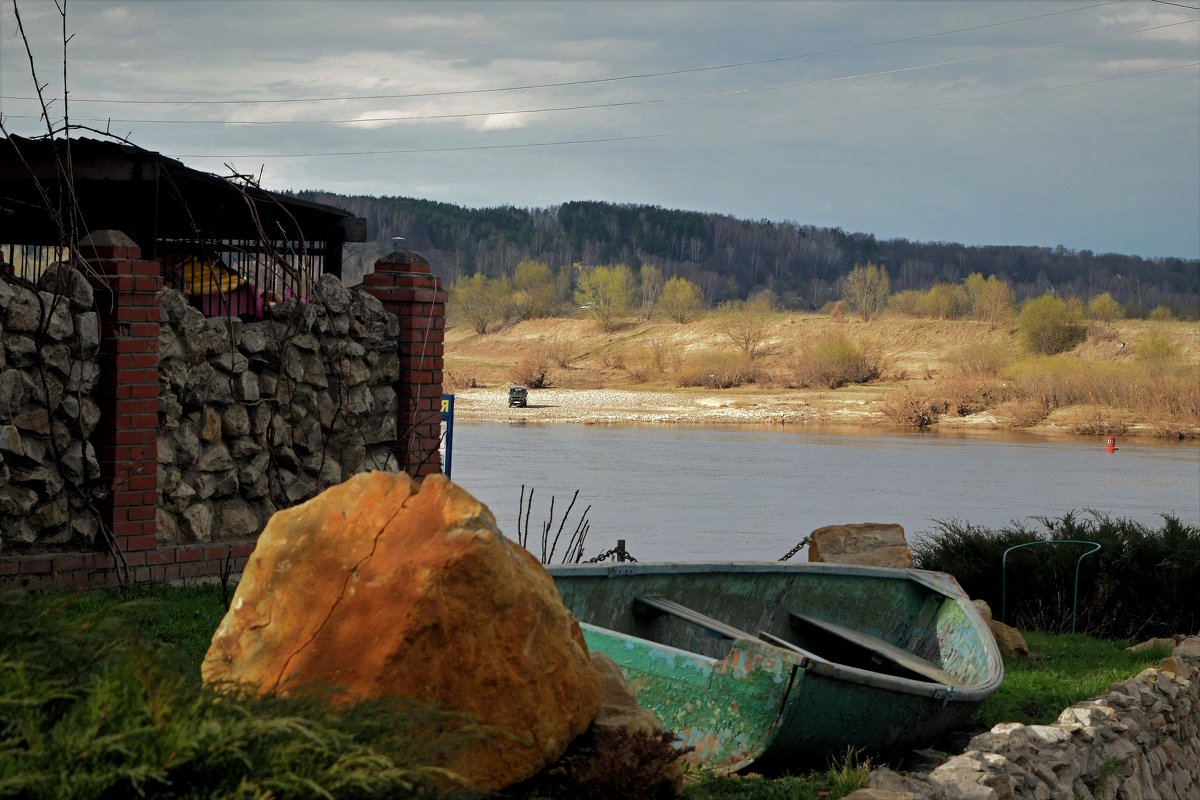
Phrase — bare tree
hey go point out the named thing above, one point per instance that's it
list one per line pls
(747, 324)
(866, 290)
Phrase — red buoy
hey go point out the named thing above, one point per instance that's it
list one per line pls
(1111, 444)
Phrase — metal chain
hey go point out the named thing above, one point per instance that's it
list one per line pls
(621, 553)
(799, 546)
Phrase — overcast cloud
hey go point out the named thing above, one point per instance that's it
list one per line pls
(1080, 127)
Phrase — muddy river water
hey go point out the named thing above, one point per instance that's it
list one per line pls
(701, 494)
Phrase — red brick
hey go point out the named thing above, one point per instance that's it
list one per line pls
(141, 405)
(126, 498)
(124, 529)
(136, 559)
(143, 513)
(68, 563)
(142, 542)
(145, 422)
(163, 556)
(9, 568)
(145, 483)
(149, 390)
(105, 256)
(36, 566)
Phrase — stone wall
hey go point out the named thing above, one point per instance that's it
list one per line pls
(49, 475)
(256, 416)
(141, 441)
(1138, 741)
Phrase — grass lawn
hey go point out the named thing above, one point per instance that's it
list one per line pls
(87, 695)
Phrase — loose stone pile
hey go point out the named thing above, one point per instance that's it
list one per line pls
(1138, 741)
(49, 475)
(256, 416)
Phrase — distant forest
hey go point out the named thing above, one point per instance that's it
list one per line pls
(731, 259)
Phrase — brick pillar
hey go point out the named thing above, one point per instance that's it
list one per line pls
(127, 437)
(403, 283)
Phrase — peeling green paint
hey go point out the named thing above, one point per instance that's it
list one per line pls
(739, 700)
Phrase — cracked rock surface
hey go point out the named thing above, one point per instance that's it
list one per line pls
(384, 586)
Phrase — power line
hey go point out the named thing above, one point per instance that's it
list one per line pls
(623, 103)
(642, 137)
(584, 82)
(1177, 5)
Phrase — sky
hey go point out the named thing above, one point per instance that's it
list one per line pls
(985, 122)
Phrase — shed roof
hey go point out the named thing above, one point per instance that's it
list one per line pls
(152, 199)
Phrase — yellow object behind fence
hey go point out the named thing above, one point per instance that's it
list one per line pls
(201, 277)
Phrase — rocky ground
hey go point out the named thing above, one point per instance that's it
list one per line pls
(679, 406)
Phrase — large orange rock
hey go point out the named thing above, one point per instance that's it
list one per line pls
(875, 544)
(383, 586)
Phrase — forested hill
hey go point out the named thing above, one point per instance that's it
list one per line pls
(731, 258)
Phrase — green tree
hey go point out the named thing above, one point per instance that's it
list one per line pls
(866, 290)
(681, 300)
(652, 288)
(533, 290)
(480, 301)
(607, 294)
(1047, 325)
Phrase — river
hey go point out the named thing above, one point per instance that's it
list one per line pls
(701, 494)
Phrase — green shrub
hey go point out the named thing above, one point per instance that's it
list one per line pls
(946, 301)
(94, 709)
(1047, 325)
(1156, 349)
(908, 303)
(1140, 584)
(1104, 308)
(1161, 314)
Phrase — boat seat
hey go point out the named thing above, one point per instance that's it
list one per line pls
(771, 638)
(884, 650)
(662, 605)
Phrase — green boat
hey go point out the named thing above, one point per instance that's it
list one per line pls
(773, 665)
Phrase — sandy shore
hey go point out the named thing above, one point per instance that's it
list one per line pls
(622, 406)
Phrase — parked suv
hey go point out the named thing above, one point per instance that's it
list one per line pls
(518, 396)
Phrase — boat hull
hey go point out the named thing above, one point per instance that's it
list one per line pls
(776, 665)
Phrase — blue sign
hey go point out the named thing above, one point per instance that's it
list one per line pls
(448, 419)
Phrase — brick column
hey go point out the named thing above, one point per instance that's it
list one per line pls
(403, 283)
(127, 437)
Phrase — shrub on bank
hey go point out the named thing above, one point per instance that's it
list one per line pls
(1140, 584)
(830, 361)
(721, 371)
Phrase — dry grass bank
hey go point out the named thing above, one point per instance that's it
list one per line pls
(1132, 377)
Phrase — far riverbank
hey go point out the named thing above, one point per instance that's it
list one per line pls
(1133, 378)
